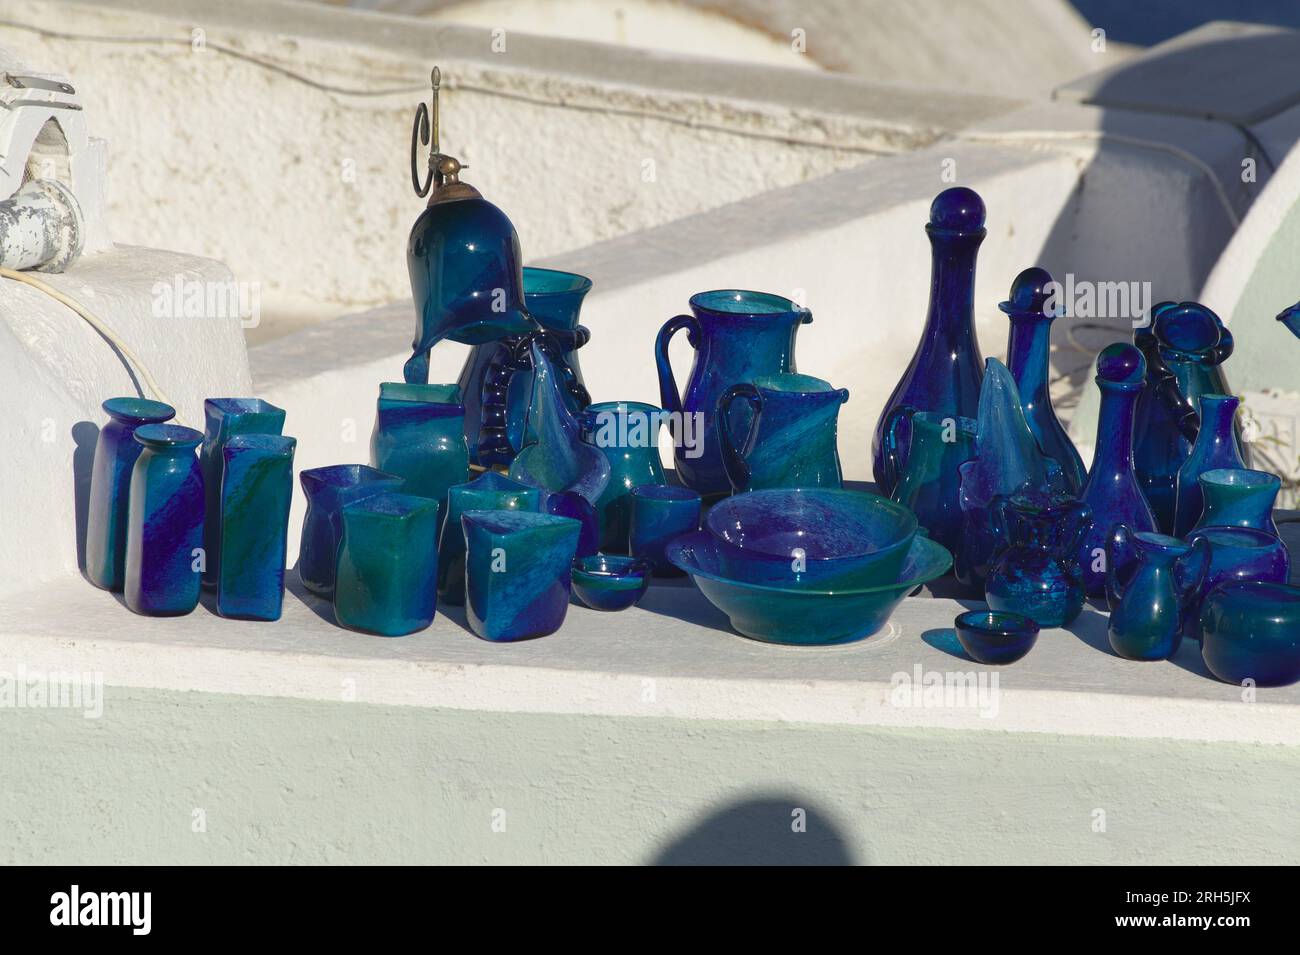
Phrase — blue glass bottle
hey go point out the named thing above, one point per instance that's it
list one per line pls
(116, 452)
(419, 435)
(256, 491)
(1151, 600)
(489, 491)
(737, 336)
(1215, 447)
(1112, 490)
(223, 419)
(164, 530)
(627, 433)
(945, 372)
(328, 490)
(386, 577)
(1031, 313)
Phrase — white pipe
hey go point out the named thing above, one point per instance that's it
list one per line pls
(40, 227)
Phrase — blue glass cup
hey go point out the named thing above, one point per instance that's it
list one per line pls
(164, 531)
(661, 513)
(995, 637)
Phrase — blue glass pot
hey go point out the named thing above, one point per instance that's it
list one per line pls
(517, 572)
(489, 491)
(611, 581)
(327, 490)
(116, 452)
(1251, 631)
(256, 491)
(419, 436)
(1035, 571)
(1152, 581)
(737, 336)
(660, 513)
(1239, 497)
(387, 570)
(945, 372)
(930, 485)
(1237, 554)
(164, 530)
(223, 419)
(627, 433)
(791, 441)
(995, 637)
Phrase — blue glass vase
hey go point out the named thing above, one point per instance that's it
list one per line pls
(1239, 497)
(327, 490)
(930, 485)
(256, 490)
(116, 452)
(1028, 355)
(164, 529)
(945, 372)
(223, 419)
(1112, 490)
(627, 433)
(1035, 571)
(386, 577)
(419, 435)
(1152, 581)
(737, 336)
(791, 441)
(489, 491)
(517, 572)
(1237, 554)
(1215, 447)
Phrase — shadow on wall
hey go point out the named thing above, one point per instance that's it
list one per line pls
(85, 435)
(1152, 21)
(1095, 231)
(776, 830)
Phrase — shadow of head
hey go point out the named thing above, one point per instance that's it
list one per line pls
(769, 831)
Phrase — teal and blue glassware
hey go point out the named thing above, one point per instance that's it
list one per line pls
(419, 436)
(1215, 447)
(995, 637)
(627, 433)
(256, 491)
(1007, 460)
(386, 576)
(517, 572)
(1186, 346)
(791, 440)
(466, 276)
(930, 485)
(798, 616)
(223, 419)
(327, 490)
(611, 581)
(164, 528)
(660, 513)
(1035, 571)
(737, 336)
(1237, 554)
(490, 491)
(1251, 631)
(814, 538)
(1112, 489)
(116, 452)
(1152, 583)
(945, 372)
(1238, 497)
(1031, 312)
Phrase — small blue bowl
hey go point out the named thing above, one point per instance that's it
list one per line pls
(611, 582)
(1251, 631)
(995, 637)
(814, 538)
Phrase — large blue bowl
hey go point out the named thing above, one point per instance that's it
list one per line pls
(803, 617)
(811, 538)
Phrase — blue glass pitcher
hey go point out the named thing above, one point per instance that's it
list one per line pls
(737, 336)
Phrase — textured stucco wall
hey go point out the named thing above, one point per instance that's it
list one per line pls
(281, 781)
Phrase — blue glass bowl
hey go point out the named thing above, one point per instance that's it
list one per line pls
(811, 538)
(995, 637)
(1251, 631)
(802, 617)
(611, 582)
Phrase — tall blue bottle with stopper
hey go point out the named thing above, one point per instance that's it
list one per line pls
(1031, 312)
(1112, 490)
(945, 372)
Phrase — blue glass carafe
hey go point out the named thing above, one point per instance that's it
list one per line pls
(737, 336)
(1035, 571)
(627, 433)
(945, 372)
(1152, 581)
(930, 485)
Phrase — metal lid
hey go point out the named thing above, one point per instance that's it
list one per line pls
(442, 178)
